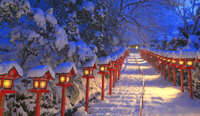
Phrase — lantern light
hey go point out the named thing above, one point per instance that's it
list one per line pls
(189, 63)
(102, 68)
(62, 79)
(164, 59)
(7, 84)
(168, 60)
(136, 47)
(173, 61)
(36, 84)
(86, 72)
(181, 62)
(43, 84)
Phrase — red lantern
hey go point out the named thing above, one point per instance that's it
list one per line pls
(41, 75)
(88, 68)
(189, 56)
(65, 71)
(8, 72)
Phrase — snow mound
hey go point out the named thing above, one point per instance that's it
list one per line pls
(193, 40)
(88, 6)
(39, 71)
(104, 60)
(49, 17)
(88, 64)
(198, 54)
(164, 53)
(188, 53)
(113, 57)
(170, 54)
(5, 67)
(65, 68)
(176, 54)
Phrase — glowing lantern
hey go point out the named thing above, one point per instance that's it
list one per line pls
(88, 68)
(8, 72)
(65, 71)
(189, 62)
(40, 82)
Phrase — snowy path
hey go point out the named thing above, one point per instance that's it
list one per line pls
(125, 97)
(162, 98)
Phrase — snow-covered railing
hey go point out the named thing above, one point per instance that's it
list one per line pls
(143, 85)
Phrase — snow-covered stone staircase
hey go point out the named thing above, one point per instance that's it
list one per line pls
(125, 96)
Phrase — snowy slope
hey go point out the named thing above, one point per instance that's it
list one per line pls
(125, 96)
(163, 98)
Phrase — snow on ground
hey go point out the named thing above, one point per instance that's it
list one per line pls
(125, 96)
(162, 98)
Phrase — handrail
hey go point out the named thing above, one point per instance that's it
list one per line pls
(141, 100)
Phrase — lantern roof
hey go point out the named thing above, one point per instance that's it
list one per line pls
(104, 60)
(164, 53)
(89, 64)
(198, 53)
(188, 53)
(39, 71)
(170, 54)
(65, 68)
(6, 67)
(176, 54)
(160, 52)
(113, 57)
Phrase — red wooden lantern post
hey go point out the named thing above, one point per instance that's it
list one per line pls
(158, 60)
(169, 59)
(189, 56)
(174, 63)
(181, 66)
(164, 61)
(65, 71)
(151, 58)
(88, 68)
(111, 70)
(104, 62)
(115, 73)
(8, 72)
(41, 75)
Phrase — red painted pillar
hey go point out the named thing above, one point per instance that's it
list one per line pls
(190, 83)
(2, 100)
(119, 71)
(114, 78)
(174, 72)
(63, 101)
(38, 103)
(102, 88)
(158, 66)
(110, 91)
(169, 73)
(164, 70)
(181, 74)
(87, 94)
(161, 68)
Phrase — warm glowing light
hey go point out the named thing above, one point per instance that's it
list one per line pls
(173, 61)
(102, 68)
(43, 84)
(0, 82)
(136, 47)
(164, 59)
(62, 79)
(86, 72)
(68, 78)
(7, 84)
(180, 62)
(189, 63)
(168, 60)
(91, 72)
(36, 83)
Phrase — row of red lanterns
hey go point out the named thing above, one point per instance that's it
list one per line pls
(43, 73)
(174, 59)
